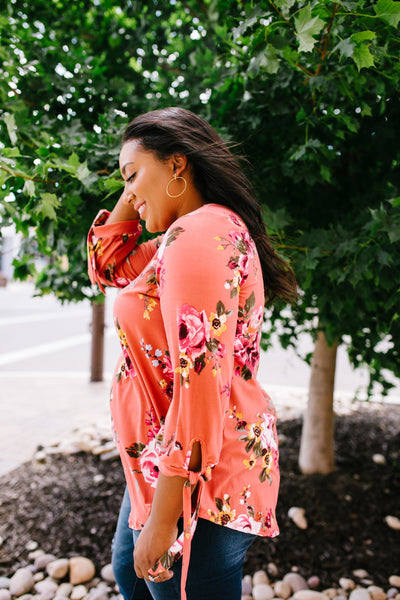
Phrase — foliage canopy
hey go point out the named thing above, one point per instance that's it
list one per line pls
(311, 90)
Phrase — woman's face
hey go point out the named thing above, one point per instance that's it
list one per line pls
(146, 179)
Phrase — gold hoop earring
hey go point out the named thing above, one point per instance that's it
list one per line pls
(175, 178)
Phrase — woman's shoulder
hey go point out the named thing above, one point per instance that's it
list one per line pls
(210, 217)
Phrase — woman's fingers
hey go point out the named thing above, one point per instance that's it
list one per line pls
(164, 576)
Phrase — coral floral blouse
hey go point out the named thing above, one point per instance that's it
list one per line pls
(189, 319)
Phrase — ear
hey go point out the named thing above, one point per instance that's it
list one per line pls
(179, 163)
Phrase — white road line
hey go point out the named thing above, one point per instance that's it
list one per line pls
(7, 358)
(35, 375)
(43, 317)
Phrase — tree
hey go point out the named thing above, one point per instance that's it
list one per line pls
(72, 75)
(317, 90)
(312, 90)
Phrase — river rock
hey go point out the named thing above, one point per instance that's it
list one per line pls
(298, 516)
(81, 570)
(58, 568)
(331, 593)
(392, 593)
(64, 589)
(47, 588)
(272, 570)
(260, 577)
(33, 555)
(313, 582)
(43, 560)
(379, 459)
(78, 592)
(107, 573)
(4, 583)
(247, 585)
(5, 594)
(360, 573)
(309, 595)
(247, 597)
(296, 582)
(360, 594)
(262, 591)
(346, 584)
(31, 546)
(394, 580)
(98, 593)
(282, 589)
(376, 592)
(393, 522)
(21, 582)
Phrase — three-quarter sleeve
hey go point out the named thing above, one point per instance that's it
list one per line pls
(200, 316)
(114, 256)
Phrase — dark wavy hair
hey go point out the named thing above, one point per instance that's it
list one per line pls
(218, 177)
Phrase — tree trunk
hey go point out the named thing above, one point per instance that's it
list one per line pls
(97, 355)
(317, 438)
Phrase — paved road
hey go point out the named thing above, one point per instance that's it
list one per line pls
(44, 372)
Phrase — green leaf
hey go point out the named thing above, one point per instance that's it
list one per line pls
(48, 205)
(366, 110)
(394, 233)
(325, 173)
(29, 188)
(388, 11)
(9, 120)
(395, 202)
(240, 30)
(270, 60)
(306, 27)
(11, 152)
(345, 47)
(363, 57)
(266, 59)
(80, 170)
(363, 36)
(285, 5)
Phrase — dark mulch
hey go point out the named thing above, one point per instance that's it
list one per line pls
(60, 505)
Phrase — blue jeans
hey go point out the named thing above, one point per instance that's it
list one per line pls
(215, 570)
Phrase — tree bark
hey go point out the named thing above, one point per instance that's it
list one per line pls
(317, 439)
(97, 354)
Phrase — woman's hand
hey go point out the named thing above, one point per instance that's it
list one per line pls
(154, 540)
(123, 210)
(160, 531)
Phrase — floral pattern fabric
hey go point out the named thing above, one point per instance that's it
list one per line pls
(189, 317)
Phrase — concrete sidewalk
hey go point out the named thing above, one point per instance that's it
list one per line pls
(39, 411)
(43, 410)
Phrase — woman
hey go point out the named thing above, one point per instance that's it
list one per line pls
(196, 432)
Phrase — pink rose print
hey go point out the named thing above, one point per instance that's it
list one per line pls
(121, 282)
(194, 331)
(245, 523)
(234, 219)
(149, 465)
(246, 352)
(167, 367)
(267, 435)
(253, 324)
